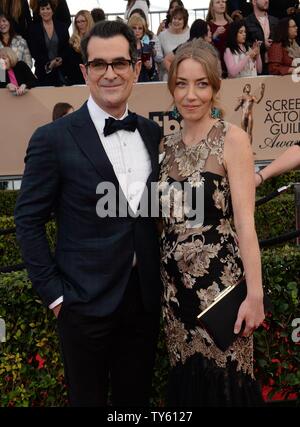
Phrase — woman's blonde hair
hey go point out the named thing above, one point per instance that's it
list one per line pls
(75, 39)
(11, 55)
(208, 57)
(211, 17)
(137, 20)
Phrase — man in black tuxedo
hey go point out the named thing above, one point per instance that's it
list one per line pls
(103, 283)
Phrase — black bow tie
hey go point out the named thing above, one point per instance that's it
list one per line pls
(112, 125)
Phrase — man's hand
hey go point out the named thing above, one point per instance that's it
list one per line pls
(268, 43)
(56, 310)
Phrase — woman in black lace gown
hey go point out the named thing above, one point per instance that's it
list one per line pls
(202, 256)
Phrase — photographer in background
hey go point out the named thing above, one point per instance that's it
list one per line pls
(145, 50)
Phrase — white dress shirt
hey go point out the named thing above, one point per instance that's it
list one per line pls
(129, 157)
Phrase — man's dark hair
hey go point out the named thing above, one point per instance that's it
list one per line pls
(106, 30)
(98, 14)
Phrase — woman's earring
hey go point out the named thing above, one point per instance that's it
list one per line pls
(215, 113)
(175, 113)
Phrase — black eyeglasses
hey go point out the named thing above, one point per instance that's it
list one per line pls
(100, 67)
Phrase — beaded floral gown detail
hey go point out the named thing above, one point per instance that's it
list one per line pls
(198, 260)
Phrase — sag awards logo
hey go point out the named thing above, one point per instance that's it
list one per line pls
(282, 118)
(296, 72)
(169, 121)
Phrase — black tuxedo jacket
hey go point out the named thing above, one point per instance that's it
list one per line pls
(65, 162)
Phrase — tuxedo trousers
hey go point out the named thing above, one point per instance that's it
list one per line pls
(114, 353)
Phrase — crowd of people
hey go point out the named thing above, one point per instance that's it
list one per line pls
(249, 41)
(111, 272)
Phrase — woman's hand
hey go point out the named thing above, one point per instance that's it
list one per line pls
(56, 62)
(251, 312)
(219, 30)
(11, 87)
(59, 61)
(21, 90)
(251, 53)
(148, 64)
(256, 48)
(254, 52)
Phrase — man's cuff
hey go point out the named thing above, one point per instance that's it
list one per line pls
(56, 302)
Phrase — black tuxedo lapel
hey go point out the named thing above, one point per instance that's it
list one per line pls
(151, 146)
(86, 136)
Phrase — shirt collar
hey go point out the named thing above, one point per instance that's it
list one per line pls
(262, 18)
(98, 115)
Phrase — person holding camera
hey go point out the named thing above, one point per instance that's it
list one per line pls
(145, 50)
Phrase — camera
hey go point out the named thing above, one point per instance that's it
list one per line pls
(147, 52)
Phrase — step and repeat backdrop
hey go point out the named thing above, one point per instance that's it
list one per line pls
(268, 108)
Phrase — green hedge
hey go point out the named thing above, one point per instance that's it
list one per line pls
(7, 202)
(277, 182)
(273, 218)
(277, 356)
(276, 217)
(8, 197)
(9, 248)
(31, 372)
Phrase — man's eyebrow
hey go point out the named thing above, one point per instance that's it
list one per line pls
(198, 80)
(119, 58)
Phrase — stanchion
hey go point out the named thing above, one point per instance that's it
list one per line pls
(297, 208)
